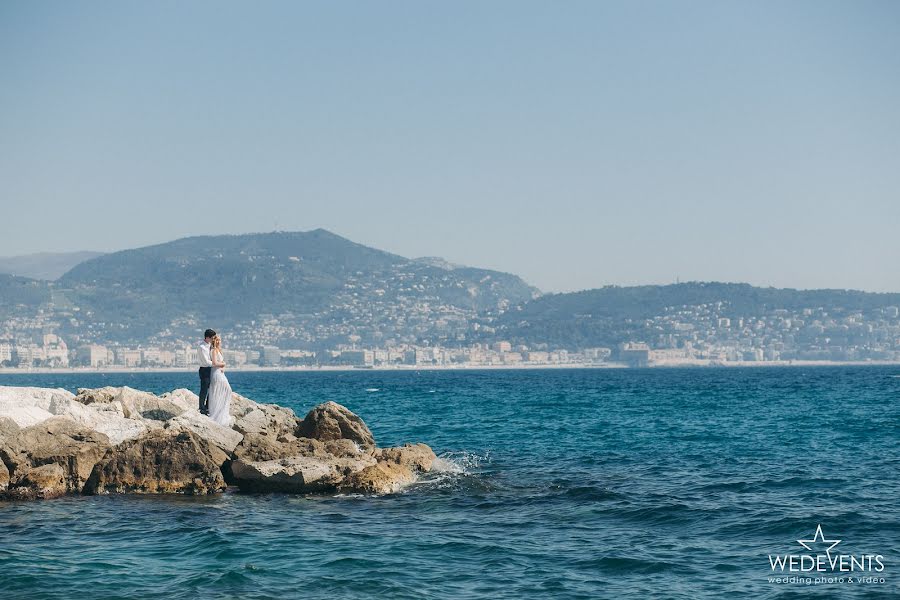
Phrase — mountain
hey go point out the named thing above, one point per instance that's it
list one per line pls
(20, 296)
(308, 286)
(315, 289)
(611, 315)
(44, 265)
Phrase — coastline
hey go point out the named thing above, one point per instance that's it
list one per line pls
(704, 364)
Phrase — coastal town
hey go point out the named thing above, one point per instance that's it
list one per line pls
(697, 335)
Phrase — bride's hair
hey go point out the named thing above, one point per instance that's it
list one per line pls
(217, 342)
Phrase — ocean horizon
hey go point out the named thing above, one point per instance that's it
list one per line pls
(574, 483)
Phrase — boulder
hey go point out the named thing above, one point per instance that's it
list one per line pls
(132, 403)
(4, 477)
(252, 417)
(222, 440)
(107, 418)
(395, 469)
(102, 395)
(33, 396)
(59, 441)
(380, 478)
(264, 463)
(418, 458)
(8, 428)
(296, 474)
(159, 462)
(331, 421)
(144, 406)
(256, 446)
(265, 446)
(40, 483)
(183, 398)
(27, 406)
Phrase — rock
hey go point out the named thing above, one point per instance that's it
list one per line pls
(56, 441)
(395, 469)
(118, 439)
(8, 428)
(241, 405)
(4, 477)
(251, 417)
(141, 405)
(132, 403)
(159, 462)
(380, 478)
(331, 421)
(221, 438)
(43, 482)
(34, 396)
(261, 446)
(264, 446)
(343, 448)
(418, 458)
(183, 398)
(296, 474)
(27, 406)
(107, 418)
(102, 395)
(264, 463)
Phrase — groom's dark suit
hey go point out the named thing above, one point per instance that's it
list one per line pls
(205, 372)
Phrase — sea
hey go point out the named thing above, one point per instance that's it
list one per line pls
(556, 483)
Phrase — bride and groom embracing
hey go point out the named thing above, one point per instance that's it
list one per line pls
(215, 391)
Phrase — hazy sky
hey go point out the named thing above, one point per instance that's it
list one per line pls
(576, 144)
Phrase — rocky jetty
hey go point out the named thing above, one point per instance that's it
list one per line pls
(121, 440)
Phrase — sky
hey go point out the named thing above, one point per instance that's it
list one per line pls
(576, 144)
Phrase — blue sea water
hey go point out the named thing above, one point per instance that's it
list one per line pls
(645, 483)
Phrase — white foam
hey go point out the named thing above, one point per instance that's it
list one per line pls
(444, 465)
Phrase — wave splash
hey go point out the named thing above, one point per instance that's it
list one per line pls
(455, 470)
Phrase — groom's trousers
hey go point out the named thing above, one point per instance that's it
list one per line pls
(205, 373)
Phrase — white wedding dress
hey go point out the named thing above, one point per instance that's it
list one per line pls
(219, 395)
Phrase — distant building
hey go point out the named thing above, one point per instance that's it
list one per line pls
(27, 355)
(511, 358)
(234, 358)
(537, 357)
(501, 347)
(357, 358)
(6, 353)
(597, 353)
(154, 357)
(92, 355)
(186, 356)
(56, 353)
(294, 357)
(128, 357)
(270, 356)
(634, 354)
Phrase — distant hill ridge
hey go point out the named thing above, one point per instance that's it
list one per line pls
(318, 289)
(609, 315)
(236, 278)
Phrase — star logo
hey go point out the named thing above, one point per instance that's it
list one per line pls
(819, 538)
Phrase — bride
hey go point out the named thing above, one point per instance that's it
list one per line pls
(219, 388)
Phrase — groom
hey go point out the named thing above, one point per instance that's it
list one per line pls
(205, 369)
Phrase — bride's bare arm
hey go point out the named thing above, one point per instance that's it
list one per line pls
(218, 361)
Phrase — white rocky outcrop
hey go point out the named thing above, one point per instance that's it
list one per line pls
(123, 440)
